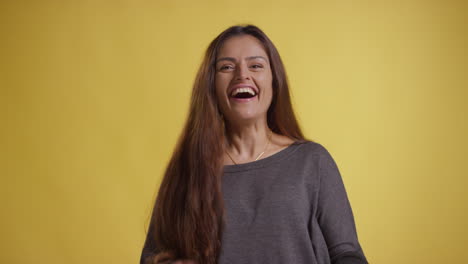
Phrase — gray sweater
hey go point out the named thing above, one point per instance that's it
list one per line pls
(290, 207)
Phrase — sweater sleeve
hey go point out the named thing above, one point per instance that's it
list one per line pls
(335, 216)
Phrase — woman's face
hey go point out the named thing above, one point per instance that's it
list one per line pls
(243, 79)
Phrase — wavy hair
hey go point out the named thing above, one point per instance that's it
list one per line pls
(188, 215)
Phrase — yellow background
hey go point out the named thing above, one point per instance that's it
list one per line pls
(94, 95)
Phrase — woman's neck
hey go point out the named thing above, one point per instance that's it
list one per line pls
(247, 142)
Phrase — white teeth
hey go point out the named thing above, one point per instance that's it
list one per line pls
(243, 90)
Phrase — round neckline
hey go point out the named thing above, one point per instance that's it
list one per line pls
(262, 162)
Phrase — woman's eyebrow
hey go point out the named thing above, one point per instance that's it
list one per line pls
(247, 58)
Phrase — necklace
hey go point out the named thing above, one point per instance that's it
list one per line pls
(268, 143)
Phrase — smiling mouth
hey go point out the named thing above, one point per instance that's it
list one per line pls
(243, 95)
(243, 99)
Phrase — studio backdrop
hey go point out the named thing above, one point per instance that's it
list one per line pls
(94, 95)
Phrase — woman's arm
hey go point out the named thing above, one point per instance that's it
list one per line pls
(335, 216)
(151, 255)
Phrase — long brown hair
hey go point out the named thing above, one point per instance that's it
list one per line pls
(187, 219)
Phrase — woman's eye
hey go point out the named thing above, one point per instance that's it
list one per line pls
(228, 67)
(225, 67)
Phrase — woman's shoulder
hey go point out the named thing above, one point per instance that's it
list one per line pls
(311, 146)
(282, 142)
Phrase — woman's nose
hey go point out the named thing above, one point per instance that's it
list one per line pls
(242, 72)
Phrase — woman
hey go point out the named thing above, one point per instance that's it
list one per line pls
(243, 184)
